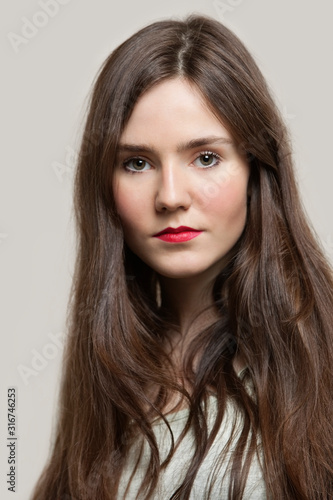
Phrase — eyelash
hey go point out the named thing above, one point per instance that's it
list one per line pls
(202, 153)
(210, 153)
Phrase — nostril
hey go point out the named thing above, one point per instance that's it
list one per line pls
(173, 195)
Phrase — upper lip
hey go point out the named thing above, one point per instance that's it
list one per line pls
(179, 229)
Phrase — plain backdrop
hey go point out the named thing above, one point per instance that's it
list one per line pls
(47, 72)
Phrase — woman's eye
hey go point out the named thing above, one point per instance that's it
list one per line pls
(136, 165)
(207, 160)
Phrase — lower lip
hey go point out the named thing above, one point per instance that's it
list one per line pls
(178, 237)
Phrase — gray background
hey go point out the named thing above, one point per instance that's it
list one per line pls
(45, 85)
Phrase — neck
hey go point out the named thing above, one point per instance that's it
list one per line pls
(186, 298)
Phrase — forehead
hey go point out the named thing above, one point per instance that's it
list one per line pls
(172, 108)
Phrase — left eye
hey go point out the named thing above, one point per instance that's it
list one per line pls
(136, 165)
(207, 160)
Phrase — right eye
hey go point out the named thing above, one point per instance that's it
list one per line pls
(136, 165)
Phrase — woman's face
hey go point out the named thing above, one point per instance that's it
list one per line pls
(180, 185)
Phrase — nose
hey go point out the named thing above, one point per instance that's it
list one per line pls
(173, 190)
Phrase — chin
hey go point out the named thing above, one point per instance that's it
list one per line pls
(178, 275)
(186, 272)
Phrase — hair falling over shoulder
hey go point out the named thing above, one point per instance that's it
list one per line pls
(275, 297)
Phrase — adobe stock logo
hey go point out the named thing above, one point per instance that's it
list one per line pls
(41, 358)
(40, 19)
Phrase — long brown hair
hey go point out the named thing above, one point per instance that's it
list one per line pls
(275, 297)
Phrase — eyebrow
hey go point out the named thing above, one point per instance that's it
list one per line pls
(183, 146)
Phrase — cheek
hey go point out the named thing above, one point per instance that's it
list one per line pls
(228, 205)
(130, 206)
(226, 190)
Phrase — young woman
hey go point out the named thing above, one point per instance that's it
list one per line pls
(200, 351)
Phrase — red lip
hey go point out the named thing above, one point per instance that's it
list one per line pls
(178, 234)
